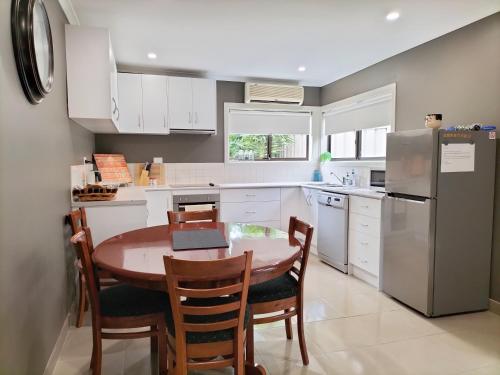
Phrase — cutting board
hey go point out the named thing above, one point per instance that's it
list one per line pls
(113, 168)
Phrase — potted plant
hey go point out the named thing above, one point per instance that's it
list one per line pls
(323, 158)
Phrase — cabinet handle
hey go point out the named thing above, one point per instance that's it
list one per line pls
(363, 243)
(251, 195)
(190, 117)
(196, 117)
(164, 122)
(364, 261)
(364, 225)
(364, 206)
(139, 121)
(250, 212)
(116, 109)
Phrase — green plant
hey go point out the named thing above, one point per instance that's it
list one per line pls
(325, 156)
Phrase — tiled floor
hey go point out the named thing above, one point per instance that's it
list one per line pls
(351, 329)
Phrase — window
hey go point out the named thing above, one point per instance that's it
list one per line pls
(373, 142)
(343, 145)
(268, 147)
(359, 144)
(267, 135)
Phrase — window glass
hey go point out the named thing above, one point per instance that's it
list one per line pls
(289, 146)
(343, 145)
(247, 147)
(373, 142)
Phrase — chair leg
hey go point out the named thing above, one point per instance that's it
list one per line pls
(82, 297)
(302, 338)
(154, 341)
(96, 361)
(239, 357)
(288, 327)
(250, 356)
(162, 348)
(170, 359)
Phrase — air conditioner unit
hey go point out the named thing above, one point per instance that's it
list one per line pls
(263, 92)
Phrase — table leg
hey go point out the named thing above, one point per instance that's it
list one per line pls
(254, 369)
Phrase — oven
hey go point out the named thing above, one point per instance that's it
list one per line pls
(194, 202)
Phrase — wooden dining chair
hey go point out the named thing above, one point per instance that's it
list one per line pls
(122, 307)
(78, 220)
(283, 297)
(209, 313)
(177, 217)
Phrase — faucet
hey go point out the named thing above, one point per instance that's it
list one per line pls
(337, 177)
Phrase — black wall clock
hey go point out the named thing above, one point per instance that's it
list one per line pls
(32, 42)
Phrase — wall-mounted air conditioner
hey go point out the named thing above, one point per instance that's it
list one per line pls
(265, 93)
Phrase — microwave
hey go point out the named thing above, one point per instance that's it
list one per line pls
(377, 178)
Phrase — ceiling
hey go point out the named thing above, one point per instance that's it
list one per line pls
(270, 39)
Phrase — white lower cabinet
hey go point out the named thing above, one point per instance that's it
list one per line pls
(261, 206)
(365, 238)
(158, 203)
(109, 221)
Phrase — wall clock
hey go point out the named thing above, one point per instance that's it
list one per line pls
(33, 51)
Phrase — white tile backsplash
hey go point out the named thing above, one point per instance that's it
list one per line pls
(218, 173)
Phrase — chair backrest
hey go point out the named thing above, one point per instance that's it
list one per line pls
(177, 217)
(77, 220)
(81, 240)
(297, 226)
(198, 280)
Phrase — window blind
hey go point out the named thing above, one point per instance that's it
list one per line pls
(360, 116)
(269, 122)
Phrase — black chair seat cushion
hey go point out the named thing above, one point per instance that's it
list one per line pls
(282, 287)
(206, 337)
(126, 300)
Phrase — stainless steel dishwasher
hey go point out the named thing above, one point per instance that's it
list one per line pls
(333, 219)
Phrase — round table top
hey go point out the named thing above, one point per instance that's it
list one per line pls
(137, 256)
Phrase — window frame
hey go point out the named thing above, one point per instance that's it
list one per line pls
(358, 157)
(269, 148)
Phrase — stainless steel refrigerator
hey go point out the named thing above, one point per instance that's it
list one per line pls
(438, 218)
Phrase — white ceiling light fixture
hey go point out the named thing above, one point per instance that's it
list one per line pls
(152, 55)
(392, 16)
(301, 68)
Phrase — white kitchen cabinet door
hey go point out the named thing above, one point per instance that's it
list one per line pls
(180, 103)
(158, 203)
(115, 106)
(154, 104)
(204, 104)
(310, 197)
(130, 94)
(108, 221)
(293, 203)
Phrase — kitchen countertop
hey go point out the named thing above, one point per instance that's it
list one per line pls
(129, 196)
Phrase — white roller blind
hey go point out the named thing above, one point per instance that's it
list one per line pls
(360, 116)
(269, 122)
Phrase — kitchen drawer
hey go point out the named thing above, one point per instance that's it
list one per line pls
(364, 251)
(365, 206)
(250, 195)
(364, 224)
(250, 212)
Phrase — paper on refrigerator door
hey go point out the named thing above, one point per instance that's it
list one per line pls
(457, 157)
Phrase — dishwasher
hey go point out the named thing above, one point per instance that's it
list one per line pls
(333, 219)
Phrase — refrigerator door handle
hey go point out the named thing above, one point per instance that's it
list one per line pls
(406, 198)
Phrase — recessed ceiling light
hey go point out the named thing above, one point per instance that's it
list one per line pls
(392, 16)
(301, 68)
(152, 55)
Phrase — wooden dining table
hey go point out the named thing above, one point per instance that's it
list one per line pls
(136, 257)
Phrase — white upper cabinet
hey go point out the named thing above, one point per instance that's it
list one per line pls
(192, 104)
(92, 79)
(130, 94)
(154, 104)
(180, 103)
(204, 104)
(143, 101)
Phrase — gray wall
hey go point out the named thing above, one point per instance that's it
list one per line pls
(38, 143)
(457, 75)
(185, 148)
